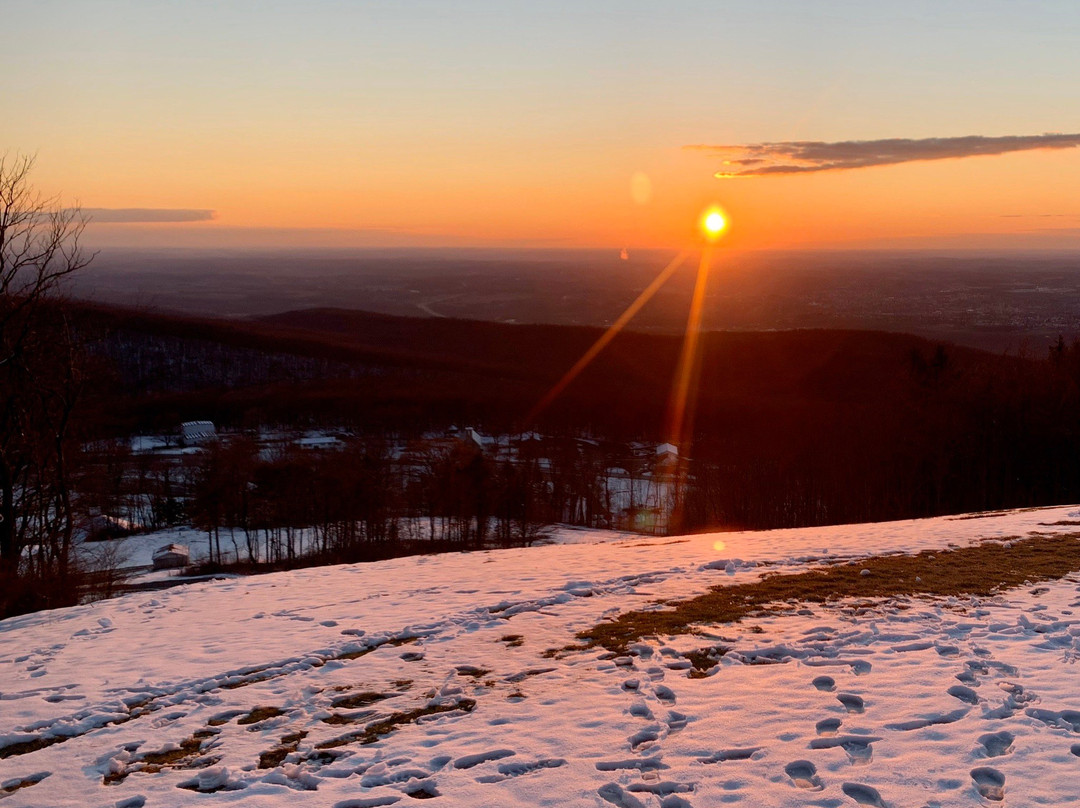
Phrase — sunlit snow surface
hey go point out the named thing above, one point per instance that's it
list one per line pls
(964, 702)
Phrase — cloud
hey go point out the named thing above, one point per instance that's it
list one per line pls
(808, 156)
(141, 215)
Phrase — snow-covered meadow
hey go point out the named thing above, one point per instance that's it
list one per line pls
(426, 677)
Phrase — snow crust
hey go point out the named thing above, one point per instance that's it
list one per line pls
(905, 702)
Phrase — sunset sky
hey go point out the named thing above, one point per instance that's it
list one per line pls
(549, 123)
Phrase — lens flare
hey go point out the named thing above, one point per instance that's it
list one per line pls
(607, 336)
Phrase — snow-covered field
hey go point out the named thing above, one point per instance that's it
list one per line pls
(146, 699)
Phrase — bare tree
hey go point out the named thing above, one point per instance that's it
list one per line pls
(40, 385)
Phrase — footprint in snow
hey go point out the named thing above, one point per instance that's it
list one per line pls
(826, 684)
(469, 761)
(725, 755)
(641, 710)
(613, 793)
(859, 748)
(803, 774)
(990, 783)
(665, 694)
(674, 801)
(964, 693)
(828, 726)
(851, 702)
(676, 721)
(644, 737)
(864, 795)
(996, 744)
(518, 769)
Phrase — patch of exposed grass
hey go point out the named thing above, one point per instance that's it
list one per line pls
(703, 660)
(25, 747)
(260, 714)
(185, 756)
(136, 709)
(11, 786)
(980, 570)
(375, 730)
(472, 671)
(338, 719)
(354, 700)
(272, 758)
(512, 640)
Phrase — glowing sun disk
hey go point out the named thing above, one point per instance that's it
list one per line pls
(713, 223)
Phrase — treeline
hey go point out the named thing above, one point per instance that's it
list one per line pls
(282, 505)
(951, 438)
(793, 428)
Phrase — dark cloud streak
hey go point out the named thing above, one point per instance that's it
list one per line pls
(809, 156)
(146, 215)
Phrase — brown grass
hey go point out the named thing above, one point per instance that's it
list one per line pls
(185, 756)
(372, 732)
(355, 700)
(26, 782)
(980, 570)
(273, 758)
(260, 714)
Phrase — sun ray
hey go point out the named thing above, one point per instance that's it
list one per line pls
(680, 419)
(607, 336)
(684, 389)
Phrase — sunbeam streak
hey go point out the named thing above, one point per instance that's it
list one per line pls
(684, 388)
(607, 336)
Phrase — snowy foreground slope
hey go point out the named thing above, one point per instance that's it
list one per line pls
(147, 699)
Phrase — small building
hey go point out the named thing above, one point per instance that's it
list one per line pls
(318, 441)
(171, 556)
(474, 438)
(667, 450)
(195, 432)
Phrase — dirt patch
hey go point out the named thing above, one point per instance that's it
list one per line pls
(980, 570)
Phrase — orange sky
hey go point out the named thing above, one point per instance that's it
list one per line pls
(504, 124)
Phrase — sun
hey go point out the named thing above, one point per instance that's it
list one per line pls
(713, 223)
